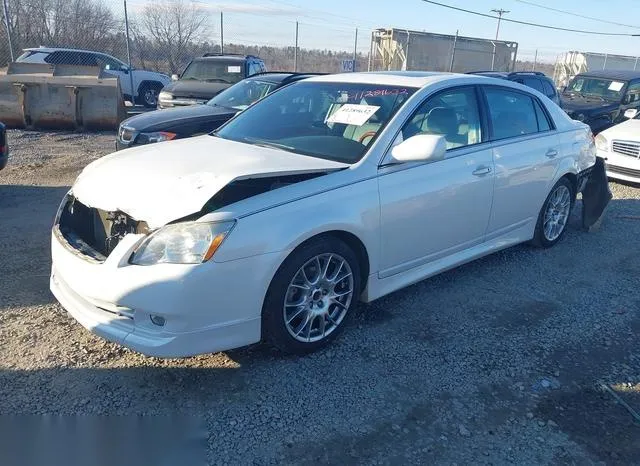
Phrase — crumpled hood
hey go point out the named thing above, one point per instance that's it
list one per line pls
(163, 182)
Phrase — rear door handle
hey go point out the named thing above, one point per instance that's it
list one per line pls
(482, 171)
(551, 153)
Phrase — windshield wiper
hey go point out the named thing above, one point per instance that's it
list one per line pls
(571, 92)
(269, 144)
(223, 106)
(217, 80)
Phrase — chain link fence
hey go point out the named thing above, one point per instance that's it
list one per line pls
(164, 35)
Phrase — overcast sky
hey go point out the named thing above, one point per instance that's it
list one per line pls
(331, 23)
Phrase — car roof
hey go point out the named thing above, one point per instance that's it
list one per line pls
(622, 75)
(225, 58)
(494, 74)
(60, 49)
(281, 76)
(414, 79)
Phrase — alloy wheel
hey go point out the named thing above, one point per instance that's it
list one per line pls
(318, 297)
(556, 215)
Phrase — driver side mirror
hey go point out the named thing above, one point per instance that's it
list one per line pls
(626, 100)
(420, 148)
(631, 113)
(175, 77)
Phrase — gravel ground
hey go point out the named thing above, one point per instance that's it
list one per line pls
(496, 362)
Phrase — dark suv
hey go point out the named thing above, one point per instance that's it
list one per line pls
(535, 79)
(207, 76)
(600, 98)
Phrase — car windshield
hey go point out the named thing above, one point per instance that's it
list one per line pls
(333, 121)
(214, 71)
(608, 89)
(241, 95)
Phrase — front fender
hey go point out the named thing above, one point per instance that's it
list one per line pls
(354, 209)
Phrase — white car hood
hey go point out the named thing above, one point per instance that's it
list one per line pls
(162, 182)
(628, 130)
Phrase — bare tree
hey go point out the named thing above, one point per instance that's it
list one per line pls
(174, 26)
(87, 24)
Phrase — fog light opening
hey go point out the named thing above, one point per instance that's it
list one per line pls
(158, 320)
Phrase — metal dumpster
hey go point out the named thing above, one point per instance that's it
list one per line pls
(45, 96)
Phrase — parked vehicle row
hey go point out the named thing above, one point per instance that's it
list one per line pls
(206, 76)
(146, 84)
(317, 196)
(178, 123)
(601, 98)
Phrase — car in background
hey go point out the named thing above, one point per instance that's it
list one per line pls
(4, 146)
(601, 98)
(207, 76)
(332, 190)
(620, 147)
(535, 79)
(183, 122)
(146, 84)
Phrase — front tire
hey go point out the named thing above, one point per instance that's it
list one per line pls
(554, 215)
(148, 94)
(311, 296)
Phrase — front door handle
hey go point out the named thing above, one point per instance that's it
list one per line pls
(551, 153)
(482, 171)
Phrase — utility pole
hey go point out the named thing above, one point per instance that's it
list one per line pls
(221, 32)
(499, 12)
(126, 30)
(295, 52)
(5, 9)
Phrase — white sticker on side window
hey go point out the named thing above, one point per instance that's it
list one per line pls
(353, 114)
(234, 69)
(615, 86)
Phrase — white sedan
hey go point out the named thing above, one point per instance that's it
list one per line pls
(620, 147)
(329, 191)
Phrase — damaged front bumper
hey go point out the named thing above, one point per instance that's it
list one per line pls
(165, 310)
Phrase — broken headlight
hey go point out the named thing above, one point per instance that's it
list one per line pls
(182, 243)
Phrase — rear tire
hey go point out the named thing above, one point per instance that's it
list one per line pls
(311, 297)
(554, 215)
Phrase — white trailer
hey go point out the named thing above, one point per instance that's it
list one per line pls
(569, 64)
(401, 49)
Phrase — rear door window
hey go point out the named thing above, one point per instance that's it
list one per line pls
(534, 83)
(512, 113)
(69, 57)
(549, 90)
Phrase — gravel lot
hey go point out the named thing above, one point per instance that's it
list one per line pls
(496, 362)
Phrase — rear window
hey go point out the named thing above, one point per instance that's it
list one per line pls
(549, 90)
(534, 83)
(29, 54)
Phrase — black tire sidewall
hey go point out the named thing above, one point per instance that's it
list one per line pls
(274, 330)
(143, 91)
(539, 238)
